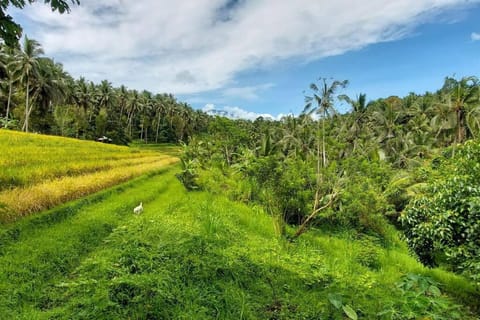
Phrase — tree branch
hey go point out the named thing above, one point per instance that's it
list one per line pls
(303, 226)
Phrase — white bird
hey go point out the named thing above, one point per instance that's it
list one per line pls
(138, 209)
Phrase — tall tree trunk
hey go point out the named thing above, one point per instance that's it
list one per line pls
(129, 123)
(158, 127)
(460, 125)
(318, 153)
(8, 102)
(27, 111)
(90, 114)
(121, 112)
(324, 155)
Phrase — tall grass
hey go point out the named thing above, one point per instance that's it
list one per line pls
(199, 256)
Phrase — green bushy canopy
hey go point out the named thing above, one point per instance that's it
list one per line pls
(443, 224)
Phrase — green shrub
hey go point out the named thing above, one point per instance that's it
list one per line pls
(189, 176)
(368, 254)
(362, 204)
(442, 226)
(420, 297)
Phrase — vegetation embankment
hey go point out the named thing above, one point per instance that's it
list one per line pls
(406, 163)
(38, 172)
(201, 256)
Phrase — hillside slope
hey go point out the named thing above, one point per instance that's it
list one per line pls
(197, 256)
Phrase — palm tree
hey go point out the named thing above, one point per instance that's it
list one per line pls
(81, 96)
(50, 87)
(321, 103)
(93, 99)
(106, 95)
(387, 118)
(473, 121)
(132, 107)
(8, 64)
(28, 58)
(444, 121)
(357, 118)
(145, 107)
(160, 110)
(187, 116)
(461, 95)
(290, 141)
(122, 95)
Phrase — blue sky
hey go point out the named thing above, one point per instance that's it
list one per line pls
(258, 57)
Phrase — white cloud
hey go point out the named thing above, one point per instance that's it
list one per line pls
(475, 36)
(208, 108)
(238, 113)
(196, 46)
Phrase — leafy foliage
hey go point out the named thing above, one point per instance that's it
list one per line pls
(420, 294)
(442, 225)
(188, 176)
(10, 31)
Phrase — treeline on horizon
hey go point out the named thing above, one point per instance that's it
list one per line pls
(38, 95)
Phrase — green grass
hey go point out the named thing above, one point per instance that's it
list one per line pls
(164, 148)
(199, 256)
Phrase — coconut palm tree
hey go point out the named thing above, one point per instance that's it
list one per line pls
(160, 110)
(473, 121)
(356, 120)
(145, 107)
(461, 95)
(81, 94)
(50, 87)
(290, 141)
(8, 65)
(132, 107)
(321, 104)
(122, 96)
(28, 64)
(106, 95)
(444, 121)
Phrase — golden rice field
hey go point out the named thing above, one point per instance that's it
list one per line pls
(38, 172)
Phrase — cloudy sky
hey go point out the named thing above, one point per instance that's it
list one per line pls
(251, 57)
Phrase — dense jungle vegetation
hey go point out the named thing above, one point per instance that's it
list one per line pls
(410, 162)
(396, 165)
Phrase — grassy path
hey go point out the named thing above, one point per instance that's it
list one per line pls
(42, 251)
